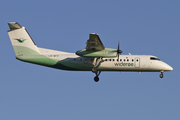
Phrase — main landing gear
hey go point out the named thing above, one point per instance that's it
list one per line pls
(161, 75)
(95, 63)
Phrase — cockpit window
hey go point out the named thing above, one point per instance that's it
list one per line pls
(154, 58)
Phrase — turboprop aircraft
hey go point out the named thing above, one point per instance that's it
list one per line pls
(95, 57)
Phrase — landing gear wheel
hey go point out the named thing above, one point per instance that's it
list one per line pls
(96, 79)
(161, 75)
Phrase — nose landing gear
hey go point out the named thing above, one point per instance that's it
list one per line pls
(161, 75)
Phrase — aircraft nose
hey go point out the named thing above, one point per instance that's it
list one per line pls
(170, 68)
(167, 67)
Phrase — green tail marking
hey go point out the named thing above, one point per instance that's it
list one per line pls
(21, 41)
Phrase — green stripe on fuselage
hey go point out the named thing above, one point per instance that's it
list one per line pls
(28, 55)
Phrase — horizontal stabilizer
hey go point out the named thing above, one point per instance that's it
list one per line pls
(14, 25)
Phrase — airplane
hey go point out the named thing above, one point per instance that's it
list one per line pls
(94, 57)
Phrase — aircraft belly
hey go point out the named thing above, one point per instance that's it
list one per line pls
(73, 65)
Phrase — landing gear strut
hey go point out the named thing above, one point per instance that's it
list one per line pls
(161, 75)
(94, 69)
(95, 63)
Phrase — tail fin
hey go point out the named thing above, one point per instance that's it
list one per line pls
(21, 41)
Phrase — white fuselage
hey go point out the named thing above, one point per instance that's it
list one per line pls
(140, 63)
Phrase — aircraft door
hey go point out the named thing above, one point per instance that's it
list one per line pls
(137, 62)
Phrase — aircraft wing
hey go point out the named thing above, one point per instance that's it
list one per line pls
(95, 48)
(94, 43)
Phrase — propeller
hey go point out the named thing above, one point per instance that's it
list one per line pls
(119, 51)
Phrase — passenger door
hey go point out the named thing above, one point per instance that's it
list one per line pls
(137, 62)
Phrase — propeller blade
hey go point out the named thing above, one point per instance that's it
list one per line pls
(118, 57)
(118, 51)
(118, 46)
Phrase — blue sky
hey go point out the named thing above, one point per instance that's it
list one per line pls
(35, 92)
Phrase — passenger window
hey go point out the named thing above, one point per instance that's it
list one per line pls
(117, 59)
(124, 59)
(120, 59)
(113, 59)
(127, 59)
(109, 59)
(137, 60)
(132, 60)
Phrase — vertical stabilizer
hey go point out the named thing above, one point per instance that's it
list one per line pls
(21, 41)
